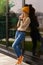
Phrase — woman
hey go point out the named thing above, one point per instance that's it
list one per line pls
(34, 30)
(22, 26)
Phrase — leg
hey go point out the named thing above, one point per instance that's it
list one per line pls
(39, 38)
(34, 46)
(23, 47)
(16, 43)
(16, 34)
(41, 46)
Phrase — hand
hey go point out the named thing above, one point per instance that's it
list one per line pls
(21, 16)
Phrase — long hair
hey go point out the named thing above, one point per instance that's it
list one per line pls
(34, 22)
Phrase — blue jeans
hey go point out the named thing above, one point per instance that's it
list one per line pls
(19, 37)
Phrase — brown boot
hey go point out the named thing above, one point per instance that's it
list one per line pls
(19, 61)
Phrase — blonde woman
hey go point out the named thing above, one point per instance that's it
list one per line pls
(22, 26)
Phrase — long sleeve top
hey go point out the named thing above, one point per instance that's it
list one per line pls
(23, 25)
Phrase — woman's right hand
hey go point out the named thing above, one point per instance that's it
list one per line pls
(21, 16)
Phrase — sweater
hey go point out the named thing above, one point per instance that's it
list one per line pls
(23, 25)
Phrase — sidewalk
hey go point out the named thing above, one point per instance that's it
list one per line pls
(5, 60)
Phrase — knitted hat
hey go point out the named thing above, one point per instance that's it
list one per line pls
(25, 9)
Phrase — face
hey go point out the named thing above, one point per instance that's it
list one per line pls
(25, 14)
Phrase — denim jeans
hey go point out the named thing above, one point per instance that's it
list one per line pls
(19, 37)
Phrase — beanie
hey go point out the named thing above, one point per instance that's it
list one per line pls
(25, 9)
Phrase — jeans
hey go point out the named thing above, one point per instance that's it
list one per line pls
(19, 37)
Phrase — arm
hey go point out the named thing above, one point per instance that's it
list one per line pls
(20, 18)
(18, 24)
(26, 22)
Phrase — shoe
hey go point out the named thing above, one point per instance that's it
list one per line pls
(19, 61)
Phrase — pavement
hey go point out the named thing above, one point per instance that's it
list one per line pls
(8, 57)
(5, 60)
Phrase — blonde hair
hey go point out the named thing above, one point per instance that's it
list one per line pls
(25, 9)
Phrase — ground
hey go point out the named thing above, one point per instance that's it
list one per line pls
(5, 60)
